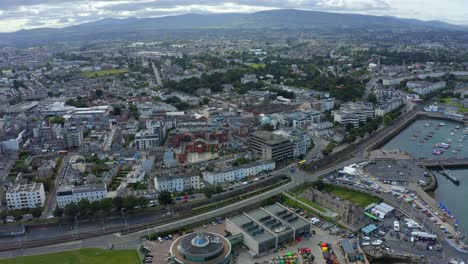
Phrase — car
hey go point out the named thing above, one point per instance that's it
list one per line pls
(204, 226)
(220, 221)
(366, 238)
(50, 217)
(213, 223)
(160, 239)
(166, 238)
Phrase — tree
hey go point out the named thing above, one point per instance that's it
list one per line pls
(71, 209)
(99, 93)
(57, 120)
(117, 110)
(83, 207)
(18, 215)
(36, 212)
(3, 215)
(49, 66)
(58, 212)
(387, 119)
(165, 198)
(106, 205)
(319, 185)
(118, 202)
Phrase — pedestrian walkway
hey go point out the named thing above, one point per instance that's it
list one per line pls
(327, 212)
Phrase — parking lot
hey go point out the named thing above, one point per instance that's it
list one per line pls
(398, 242)
(399, 171)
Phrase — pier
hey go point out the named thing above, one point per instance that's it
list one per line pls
(447, 163)
(434, 163)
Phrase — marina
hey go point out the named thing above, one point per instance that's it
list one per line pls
(445, 153)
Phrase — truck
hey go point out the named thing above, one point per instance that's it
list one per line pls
(396, 226)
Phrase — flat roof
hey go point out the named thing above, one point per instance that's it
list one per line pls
(278, 227)
(242, 221)
(270, 138)
(274, 209)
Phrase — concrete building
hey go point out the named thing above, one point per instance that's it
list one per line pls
(353, 113)
(300, 139)
(395, 80)
(173, 181)
(67, 194)
(13, 142)
(72, 137)
(269, 146)
(248, 78)
(387, 106)
(201, 247)
(238, 173)
(422, 87)
(145, 140)
(327, 104)
(268, 228)
(302, 119)
(25, 196)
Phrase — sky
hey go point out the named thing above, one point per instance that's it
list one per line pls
(27, 14)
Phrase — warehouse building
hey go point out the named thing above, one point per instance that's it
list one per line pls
(268, 228)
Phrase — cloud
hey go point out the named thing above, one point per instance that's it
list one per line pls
(58, 13)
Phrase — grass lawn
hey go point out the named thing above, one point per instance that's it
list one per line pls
(92, 74)
(82, 256)
(257, 65)
(360, 198)
(312, 204)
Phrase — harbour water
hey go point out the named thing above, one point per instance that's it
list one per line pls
(419, 140)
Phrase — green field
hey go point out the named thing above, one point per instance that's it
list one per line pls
(360, 198)
(82, 256)
(103, 73)
(257, 65)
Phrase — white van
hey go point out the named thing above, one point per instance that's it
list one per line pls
(396, 226)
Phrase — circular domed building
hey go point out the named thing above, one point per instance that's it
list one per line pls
(201, 247)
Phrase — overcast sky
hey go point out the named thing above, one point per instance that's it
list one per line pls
(27, 14)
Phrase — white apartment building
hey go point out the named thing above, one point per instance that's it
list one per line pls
(67, 194)
(353, 113)
(387, 106)
(25, 196)
(395, 80)
(422, 87)
(177, 182)
(238, 173)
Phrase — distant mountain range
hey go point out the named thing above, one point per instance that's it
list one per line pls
(107, 29)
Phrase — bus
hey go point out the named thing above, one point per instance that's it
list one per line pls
(302, 162)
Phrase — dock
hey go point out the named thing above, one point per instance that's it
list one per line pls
(434, 163)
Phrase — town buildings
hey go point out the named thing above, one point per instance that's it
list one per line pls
(353, 113)
(238, 173)
(268, 228)
(176, 181)
(25, 196)
(67, 194)
(423, 87)
(72, 137)
(387, 106)
(270, 146)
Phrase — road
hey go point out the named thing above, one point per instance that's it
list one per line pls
(51, 201)
(157, 75)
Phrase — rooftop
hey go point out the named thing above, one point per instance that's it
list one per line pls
(269, 137)
(25, 187)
